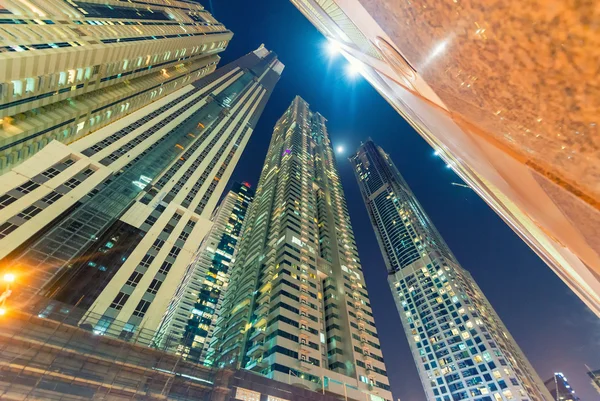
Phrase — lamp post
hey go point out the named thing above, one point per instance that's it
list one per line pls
(8, 279)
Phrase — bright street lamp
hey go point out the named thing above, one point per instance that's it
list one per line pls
(9, 278)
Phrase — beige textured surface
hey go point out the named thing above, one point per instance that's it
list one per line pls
(526, 72)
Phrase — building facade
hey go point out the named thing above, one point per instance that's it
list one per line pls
(560, 389)
(595, 376)
(96, 367)
(296, 308)
(69, 68)
(190, 319)
(461, 348)
(112, 221)
(496, 122)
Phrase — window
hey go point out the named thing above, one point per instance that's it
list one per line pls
(273, 398)
(103, 325)
(147, 260)
(154, 286)
(17, 88)
(28, 187)
(6, 200)
(174, 252)
(6, 229)
(30, 212)
(246, 395)
(72, 183)
(88, 171)
(134, 279)
(164, 269)
(184, 236)
(119, 301)
(51, 173)
(51, 197)
(158, 244)
(29, 85)
(141, 308)
(68, 162)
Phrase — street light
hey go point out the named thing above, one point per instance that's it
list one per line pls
(8, 278)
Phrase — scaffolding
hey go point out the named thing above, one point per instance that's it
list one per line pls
(46, 355)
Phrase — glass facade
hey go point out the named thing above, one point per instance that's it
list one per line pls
(461, 348)
(122, 247)
(560, 389)
(199, 297)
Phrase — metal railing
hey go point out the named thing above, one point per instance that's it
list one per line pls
(45, 353)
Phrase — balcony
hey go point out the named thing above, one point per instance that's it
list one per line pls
(256, 365)
(258, 335)
(256, 350)
(305, 364)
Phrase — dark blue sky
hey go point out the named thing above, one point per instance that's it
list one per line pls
(554, 329)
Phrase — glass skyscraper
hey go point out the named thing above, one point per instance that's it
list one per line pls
(296, 308)
(69, 68)
(461, 348)
(595, 376)
(560, 389)
(190, 319)
(112, 221)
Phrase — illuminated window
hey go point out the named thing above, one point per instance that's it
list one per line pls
(29, 85)
(272, 398)
(246, 395)
(17, 88)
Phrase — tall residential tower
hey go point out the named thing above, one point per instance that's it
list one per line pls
(461, 348)
(516, 119)
(112, 221)
(296, 308)
(560, 389)
(189, 321)
(69, 68)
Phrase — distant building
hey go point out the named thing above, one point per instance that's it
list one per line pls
(516, 124)
(110, 223)
(69, 68)
(297, 308)
(595, 376)
(461, 348)
(191, 316)
(560, 389)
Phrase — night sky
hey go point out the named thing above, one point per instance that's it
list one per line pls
(553, 327)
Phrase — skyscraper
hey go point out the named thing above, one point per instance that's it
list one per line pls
(494, 117)
(296, 308)
(560, 389)
(461, 348)
(69, 68)
(189, 321)
(112, 221)
(595, 376)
